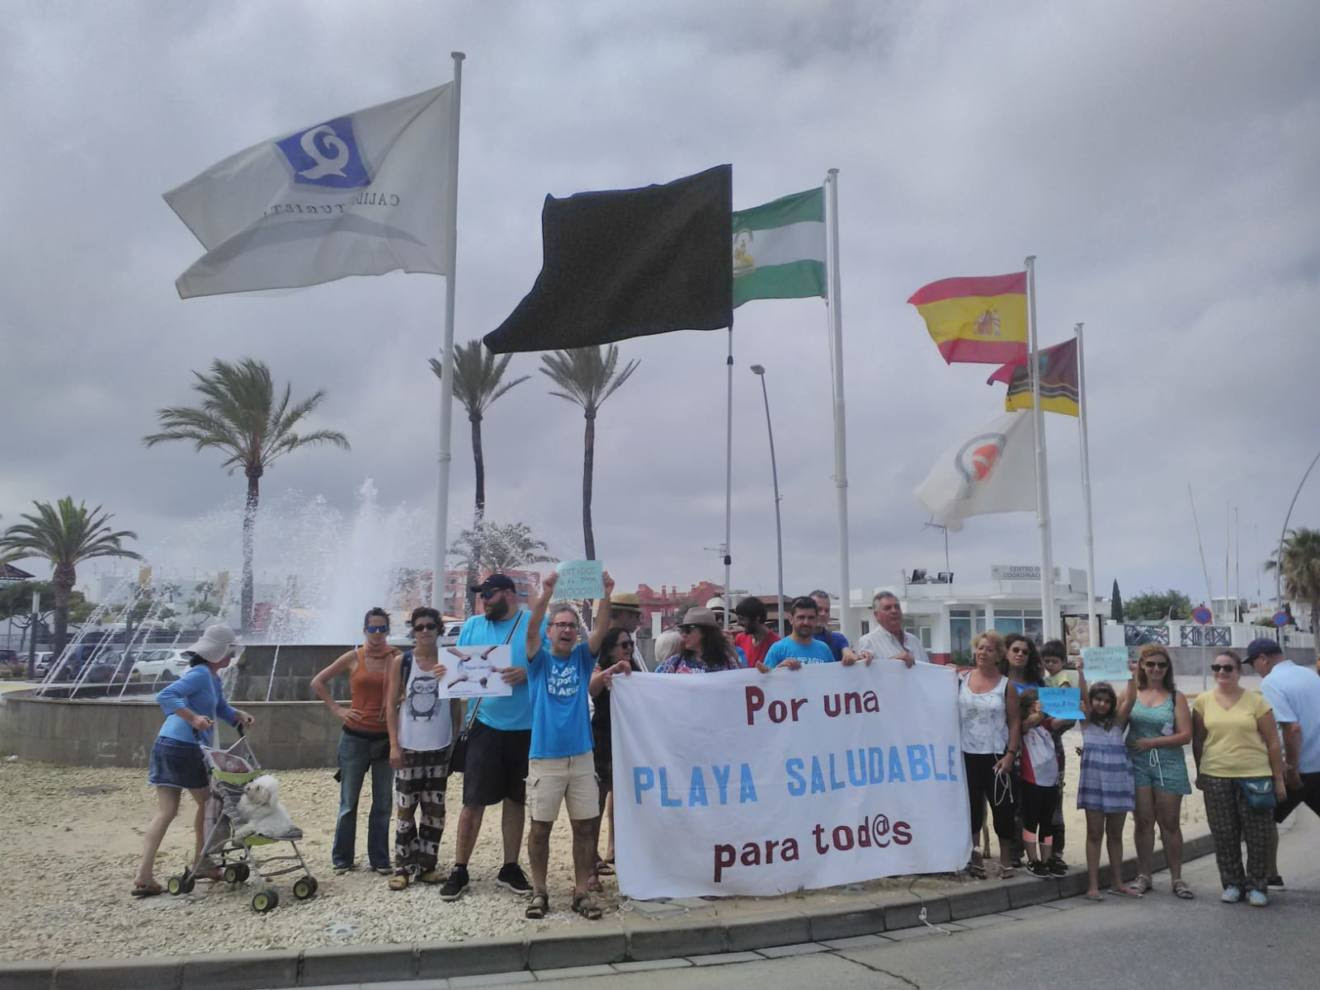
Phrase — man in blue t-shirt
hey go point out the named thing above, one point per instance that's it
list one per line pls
(801, 647)
(562, 768)
(495, 767)
(837, 642)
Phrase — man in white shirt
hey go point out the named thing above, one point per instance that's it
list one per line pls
(889, 640)
(1294, 694)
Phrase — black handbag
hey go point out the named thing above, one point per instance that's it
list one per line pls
(1259, 792)
(458, 751)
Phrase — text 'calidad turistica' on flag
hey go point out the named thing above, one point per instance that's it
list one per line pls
(980, 320)
(362, 194)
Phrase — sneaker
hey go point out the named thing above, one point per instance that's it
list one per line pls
(1274, 881)
(1040, 871)
(1058, 868)
(384, 871)
(341, 868)
(1231, 895)
(1257, 898)
(512, 878)
(454, 886)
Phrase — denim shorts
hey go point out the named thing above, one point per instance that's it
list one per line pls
(177, 764)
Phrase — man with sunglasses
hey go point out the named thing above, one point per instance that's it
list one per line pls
(1294, 694)
(495, 769)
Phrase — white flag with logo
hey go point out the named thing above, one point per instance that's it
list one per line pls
(362, 194)
(994, 470)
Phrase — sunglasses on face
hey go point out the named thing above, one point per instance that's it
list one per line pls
(491, 594)
(1158, 665)
(425, 627)
(1222, 668)
(377, 629)
(563, 625)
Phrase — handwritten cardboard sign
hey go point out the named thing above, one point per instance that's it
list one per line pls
(578, 580)
(1105, 663)
(474, 671)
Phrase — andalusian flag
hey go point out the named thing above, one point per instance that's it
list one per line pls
(976, 320)
(1058, 380)
(779, 249)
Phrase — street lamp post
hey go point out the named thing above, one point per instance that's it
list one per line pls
(759, 371)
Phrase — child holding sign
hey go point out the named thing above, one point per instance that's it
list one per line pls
(1105, 789)
(1040, 779)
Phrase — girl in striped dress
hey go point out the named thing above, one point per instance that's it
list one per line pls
(1105, 788)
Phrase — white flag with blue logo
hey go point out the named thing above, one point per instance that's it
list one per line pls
(993, 470)
(363, 194)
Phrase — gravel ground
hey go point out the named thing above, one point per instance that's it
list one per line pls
(73, 837)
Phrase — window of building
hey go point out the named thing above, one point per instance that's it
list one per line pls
(964, 624)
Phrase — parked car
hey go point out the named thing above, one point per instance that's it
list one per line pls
(112, 667)
(44, 660)
(160, 664)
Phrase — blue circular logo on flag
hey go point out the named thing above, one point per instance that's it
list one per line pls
(326, 155)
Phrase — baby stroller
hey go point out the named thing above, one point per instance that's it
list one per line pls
(236, 858)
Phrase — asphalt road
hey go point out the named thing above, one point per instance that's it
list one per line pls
(1155, 943)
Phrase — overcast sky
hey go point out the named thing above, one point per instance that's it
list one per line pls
(1161, 160)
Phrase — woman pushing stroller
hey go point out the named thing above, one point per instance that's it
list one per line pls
(191, 704)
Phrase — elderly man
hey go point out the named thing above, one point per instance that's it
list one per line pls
(889, 640)
(1294, 694)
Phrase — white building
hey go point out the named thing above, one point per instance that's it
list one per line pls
(946, 614)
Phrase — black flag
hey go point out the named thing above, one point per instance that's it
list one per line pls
(627, 263)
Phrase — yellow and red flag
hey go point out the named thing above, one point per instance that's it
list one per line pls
(1058, 380)
(978, 320)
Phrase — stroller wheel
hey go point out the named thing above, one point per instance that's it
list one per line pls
(243, 871)
(304, 888)
(174, 885)
(233, 873)
(265, 900)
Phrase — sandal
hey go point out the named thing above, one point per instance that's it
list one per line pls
(585, 906)
(604, 867)
(538, 907)
(1140, 884)
(1128, 891)
(1180, 889)
(976, 867)
(147, 889)
(1006, 872)
(400, 881)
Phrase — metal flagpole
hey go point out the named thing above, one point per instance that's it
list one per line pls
(444, 455)
(1049, 621)
(728, 486)
(1092, 622)
(851, 627)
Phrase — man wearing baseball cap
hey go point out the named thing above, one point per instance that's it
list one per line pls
(495, 767)
(1294, 694)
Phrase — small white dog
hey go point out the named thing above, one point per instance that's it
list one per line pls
(261, 811)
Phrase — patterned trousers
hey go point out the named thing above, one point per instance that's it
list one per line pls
(1232, 821)
(421, 781)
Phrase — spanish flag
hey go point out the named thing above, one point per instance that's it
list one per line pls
(1058, 380)
(977, 320)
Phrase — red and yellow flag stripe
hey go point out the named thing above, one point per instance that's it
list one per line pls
(979, 320)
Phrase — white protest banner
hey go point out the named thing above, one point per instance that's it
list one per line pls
(1105, 663)
(474, 671)
(749, 783)
(578, 580)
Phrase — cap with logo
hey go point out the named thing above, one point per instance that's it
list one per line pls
(494, 583)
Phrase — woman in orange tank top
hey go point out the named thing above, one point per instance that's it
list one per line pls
(364, 745)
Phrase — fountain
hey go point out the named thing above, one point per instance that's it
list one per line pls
(331, 568)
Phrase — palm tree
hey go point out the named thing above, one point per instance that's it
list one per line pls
(587, 376)
(1298, 561)
(241, 416)
(477, 384)
(66, 535)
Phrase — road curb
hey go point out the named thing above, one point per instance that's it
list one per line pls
(626, 939)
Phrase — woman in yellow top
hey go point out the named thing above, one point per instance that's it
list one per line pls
(1240, 771)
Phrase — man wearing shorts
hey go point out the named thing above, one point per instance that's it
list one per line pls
(562, 769)
(1294, 694)
(496, 763)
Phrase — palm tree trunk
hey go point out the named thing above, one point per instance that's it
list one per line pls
(588, 467)
(249, 527)
(63, 581)
(478, 512)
